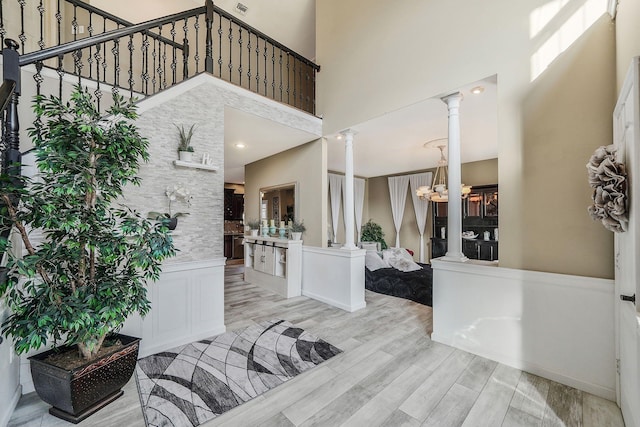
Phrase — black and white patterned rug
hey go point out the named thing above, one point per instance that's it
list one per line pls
(194, 383)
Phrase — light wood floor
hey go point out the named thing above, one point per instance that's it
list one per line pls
(390, 374)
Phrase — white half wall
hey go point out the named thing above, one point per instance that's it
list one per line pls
(334, 276)
(10, 389)
(187, 305)
(556, 326)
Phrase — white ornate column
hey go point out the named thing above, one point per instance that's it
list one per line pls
(454, 215)
(348, 191)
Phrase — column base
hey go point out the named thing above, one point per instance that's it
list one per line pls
(454, 257)
(350, 247)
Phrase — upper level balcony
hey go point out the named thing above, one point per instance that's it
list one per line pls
(143, 59)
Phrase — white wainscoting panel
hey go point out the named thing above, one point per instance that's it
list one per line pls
(334, 276)
(553, 325)
(10, 389)
(187, 304)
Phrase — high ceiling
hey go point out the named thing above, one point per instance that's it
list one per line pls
(394, 143)
(386, 145)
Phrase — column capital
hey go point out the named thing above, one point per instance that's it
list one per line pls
(348, 133)
(452, 100)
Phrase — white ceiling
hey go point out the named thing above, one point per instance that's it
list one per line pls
(394, 143)
(386, 145)
(261, 137)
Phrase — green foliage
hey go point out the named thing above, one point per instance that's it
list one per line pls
(298, 227)
(91, 270)
(185, 138)
(372, 232)
(253, 224)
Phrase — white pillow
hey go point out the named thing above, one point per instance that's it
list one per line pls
(373, 261)
(400, 259)
(404, 264)
(396, 253)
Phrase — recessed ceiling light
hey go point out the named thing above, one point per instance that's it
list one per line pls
(240, 145)
(339, 136)
(477, 90)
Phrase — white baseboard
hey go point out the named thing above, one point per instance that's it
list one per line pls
(345, 307)
(4, 418)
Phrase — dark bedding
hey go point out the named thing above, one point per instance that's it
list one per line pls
(413, 285)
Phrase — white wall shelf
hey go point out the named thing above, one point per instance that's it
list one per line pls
(193, 165)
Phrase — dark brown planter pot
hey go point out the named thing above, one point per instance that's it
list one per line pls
(76, 394)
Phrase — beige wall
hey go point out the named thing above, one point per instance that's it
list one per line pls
(474, 173)
(305, 165)
(430, 47)
(559, 116)
(627, 36)
(268, 17)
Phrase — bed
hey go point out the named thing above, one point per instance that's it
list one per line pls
(413, 285)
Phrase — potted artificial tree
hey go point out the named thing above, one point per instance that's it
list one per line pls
(78, 285)
(185, 150)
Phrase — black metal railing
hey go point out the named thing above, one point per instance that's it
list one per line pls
(9, 96)
(149, 57)
(64, 21)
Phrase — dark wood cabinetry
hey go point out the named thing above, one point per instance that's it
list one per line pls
(480, 215)
(233, 204)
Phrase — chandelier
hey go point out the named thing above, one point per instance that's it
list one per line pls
(438, 191)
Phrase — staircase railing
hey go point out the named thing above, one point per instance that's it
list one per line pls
(9, 95)
(146, 58)
(10, 127)
(46, 23)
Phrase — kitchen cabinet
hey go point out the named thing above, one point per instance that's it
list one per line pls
(233, 204)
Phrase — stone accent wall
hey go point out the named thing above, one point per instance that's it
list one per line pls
(200, 100)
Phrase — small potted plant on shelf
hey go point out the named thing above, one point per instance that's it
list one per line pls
(185, 150)
(297, 228)
(254, 226)
(89, 273)
(174, 193)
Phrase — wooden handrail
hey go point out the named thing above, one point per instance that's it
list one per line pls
(6, 91)
(65, 48)
(120, 21)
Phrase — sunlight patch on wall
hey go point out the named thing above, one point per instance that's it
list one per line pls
(541, 16)
(567, 33)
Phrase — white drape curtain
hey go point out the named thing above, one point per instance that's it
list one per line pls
(335, 189)
(420, 207)
(358, 195)
(398, 194)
